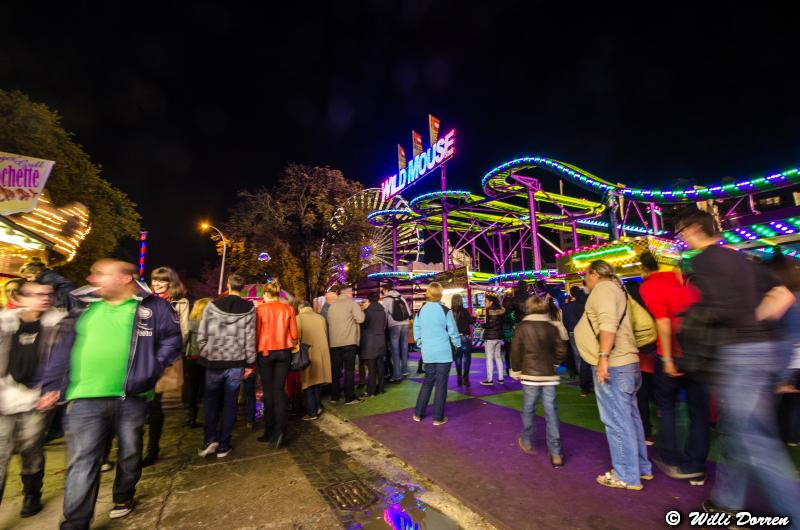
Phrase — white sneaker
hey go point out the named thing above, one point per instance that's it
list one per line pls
(210, 449)
(223, 454)
(121, 510)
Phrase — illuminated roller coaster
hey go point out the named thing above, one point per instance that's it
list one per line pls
(505, 225)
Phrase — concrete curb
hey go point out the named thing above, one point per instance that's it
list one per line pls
(375, 456)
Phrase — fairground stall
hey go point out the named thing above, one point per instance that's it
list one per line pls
(30, 225)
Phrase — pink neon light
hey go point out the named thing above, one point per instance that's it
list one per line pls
(420, 166)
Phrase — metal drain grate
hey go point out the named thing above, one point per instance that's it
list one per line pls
(351, 495)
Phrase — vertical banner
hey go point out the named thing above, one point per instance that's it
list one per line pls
(22, 179)
(401, 158)
(433, 128)
(416, 141)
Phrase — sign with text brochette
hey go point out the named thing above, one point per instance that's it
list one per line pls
(22, 179)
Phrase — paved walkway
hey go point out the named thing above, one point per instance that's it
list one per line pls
(254, 487)
(475, 458)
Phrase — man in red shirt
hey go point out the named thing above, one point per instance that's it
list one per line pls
(667, 296)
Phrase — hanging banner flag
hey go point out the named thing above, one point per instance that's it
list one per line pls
(421, 165)
(416, 141)
(401, 157)
(433, 128)
(22, 179)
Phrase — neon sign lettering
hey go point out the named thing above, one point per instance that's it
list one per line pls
(420, 165)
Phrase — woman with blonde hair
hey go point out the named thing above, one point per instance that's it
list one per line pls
(194, 374)
(436, 333)
(166, 283)
(605, 339)
(277, 337)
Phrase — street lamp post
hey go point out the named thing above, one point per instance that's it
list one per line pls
(206, 226)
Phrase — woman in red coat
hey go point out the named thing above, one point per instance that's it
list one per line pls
(277, 337)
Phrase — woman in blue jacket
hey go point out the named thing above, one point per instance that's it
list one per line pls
(436, 334)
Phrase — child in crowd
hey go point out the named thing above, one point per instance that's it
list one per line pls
(536, 349)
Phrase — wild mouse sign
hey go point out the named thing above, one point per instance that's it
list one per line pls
(22, 179)
(424, 162)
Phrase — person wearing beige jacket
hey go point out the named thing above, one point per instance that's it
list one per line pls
(313, 331)
(344, 335)
(606, 341)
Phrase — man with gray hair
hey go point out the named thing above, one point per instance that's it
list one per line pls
(344, 320)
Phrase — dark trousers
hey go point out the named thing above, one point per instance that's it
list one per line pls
(506, 355)
(436, 374)
(789, 417)
(463, 356)
(646, 394)
(194, 381)
(343, 357)
(375, 380)
(693, 458)
(362, 371)
(313, 401)
(90, 422)
(585, 379)
(155, 425)
(273, 370)
(250, 399)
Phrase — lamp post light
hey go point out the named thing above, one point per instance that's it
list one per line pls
(206, 226)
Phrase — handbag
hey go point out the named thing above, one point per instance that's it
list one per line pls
(300, 359)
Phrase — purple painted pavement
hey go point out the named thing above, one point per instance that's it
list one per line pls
(477, 374)
(475, 457)
(476, 388)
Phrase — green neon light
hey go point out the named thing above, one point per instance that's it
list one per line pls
(604, 252)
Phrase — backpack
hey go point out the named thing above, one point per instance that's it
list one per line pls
(642, 322)
(399, 309)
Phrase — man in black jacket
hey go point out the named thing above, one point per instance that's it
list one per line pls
(745, 299)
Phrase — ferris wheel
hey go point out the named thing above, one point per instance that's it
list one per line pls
(378, 247)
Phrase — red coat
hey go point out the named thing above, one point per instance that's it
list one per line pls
(277, 327)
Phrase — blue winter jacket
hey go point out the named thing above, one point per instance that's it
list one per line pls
(156, 343)
(436, 333)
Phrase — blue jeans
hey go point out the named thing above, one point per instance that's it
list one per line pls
(693, 457)
(751, 445)
(435, 374)
(530, 397)
(398, 341)
(463, 356)
(221, 393)
(619, 412)
(90, 422)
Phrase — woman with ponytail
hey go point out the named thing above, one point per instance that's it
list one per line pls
(606, 341)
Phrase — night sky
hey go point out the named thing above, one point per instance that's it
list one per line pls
(183, 106)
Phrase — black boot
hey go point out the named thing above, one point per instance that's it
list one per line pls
(32, 487)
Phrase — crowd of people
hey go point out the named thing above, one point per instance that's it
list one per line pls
(723, 331)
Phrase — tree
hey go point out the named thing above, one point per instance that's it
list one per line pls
(292, 222)
(32, 129)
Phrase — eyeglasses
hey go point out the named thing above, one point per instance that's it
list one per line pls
(36, 295)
